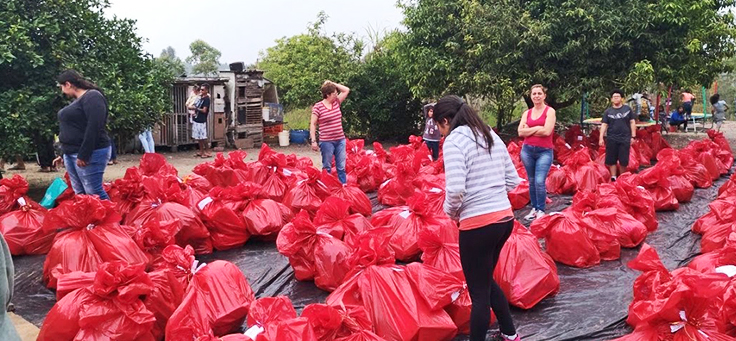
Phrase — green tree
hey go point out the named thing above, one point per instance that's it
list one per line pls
(170, 61)
(301, 63)
(497, 49)
(42, 38)
(205, 58)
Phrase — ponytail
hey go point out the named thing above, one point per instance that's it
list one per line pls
(459, 113)
(76, 79)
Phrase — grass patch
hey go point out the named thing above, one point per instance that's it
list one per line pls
(298, 118)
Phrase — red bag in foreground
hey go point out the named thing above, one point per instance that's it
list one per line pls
(525, 273)
(191, 230)
(334, 217)
(11, 189)
(567, 240)
(110, 309)
(90, 236)
(22, 229)
(217, 300)
(307, 194)
(359, 202)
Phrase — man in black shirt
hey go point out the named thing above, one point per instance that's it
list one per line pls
(199, 127)
(619, 129)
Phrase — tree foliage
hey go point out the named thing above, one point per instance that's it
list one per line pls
(205, 58)
(171, 62)
(301, 63)
(42, 38)
(498, 49)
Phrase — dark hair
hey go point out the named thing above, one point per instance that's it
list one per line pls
(617, 91)
(328, 89)
(715, 98)
(458, 113)
(204, 87)
(75, 78)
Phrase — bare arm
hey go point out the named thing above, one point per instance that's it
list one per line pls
(524, 130)
(342, 90)
(604, 128)
(313, 127)
(633, 128)
(549, 124)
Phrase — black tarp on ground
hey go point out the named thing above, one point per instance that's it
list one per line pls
(592, 303)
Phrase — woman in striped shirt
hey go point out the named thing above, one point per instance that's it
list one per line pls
(327, 114)
(479, 173)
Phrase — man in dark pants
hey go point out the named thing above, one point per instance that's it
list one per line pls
(45, 150)
(619, 129)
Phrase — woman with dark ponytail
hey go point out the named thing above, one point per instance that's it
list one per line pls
(82, 134)
(479, 173)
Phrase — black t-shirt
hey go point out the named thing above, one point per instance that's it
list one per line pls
(619, 123)
(82, 125)
(203, 102)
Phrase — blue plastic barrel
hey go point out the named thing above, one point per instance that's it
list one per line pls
(299, 136)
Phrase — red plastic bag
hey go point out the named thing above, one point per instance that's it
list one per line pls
(721, 211)
(628, 231)
(588, 174)
(330, 261)
(220, 172)
(519, 196)
(22, 229)
(560, 181)
(269, 310)
(110, 309)
(168, 292)
(715, 237)
(325, 320)
(220, 214)
(681, 188)
(69, 282)
(90, 236)
(154, 236)
(307, 194)
(406, 222)
(525, 273)
(192, 189)
(359, 202)
(368, 173)
(460, 310)
(296, 241)
(153, 164)
(191, 232)
(127, 192)
(217, 299)
(436, 287)
(440, 250)
(11, 189)
(567, 240)
(334, 217)
(656, 181)
(637, 200)
(708, 262)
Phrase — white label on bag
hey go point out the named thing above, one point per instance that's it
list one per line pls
(204, 203)
(253, 332)
(728, 270)
(555, 213)
(369, 152)
(435, 190)
(287, 172)
(180, 180)
(404, 214)
(568, 146)
(580, 138)
(384, 183)
(455, 295)
(22, 201)
(641, 188)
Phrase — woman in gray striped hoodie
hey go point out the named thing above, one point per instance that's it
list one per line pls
(479, 173)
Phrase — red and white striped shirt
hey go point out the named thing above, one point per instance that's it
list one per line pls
(329, 121)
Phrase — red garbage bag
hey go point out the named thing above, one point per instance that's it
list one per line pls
(154, 236)
(566, 239)
(708, 262)
(436, 287)
(89, 236)
(715, 237)
(729, 188)
(359, 202)
(330, 261)
(560, 180)
(217, 299)
(11, 189)
(525, 273)
(659, 143)
(192, 189)
(334, 217)
(69, 282)
(127, 192)
(637, 200)
(519, 196)
(363, 335)
(110, 309)
(460, 310)
(656, 181)
(628, 231)
(325, 320)
(440, 249)
(406, 222)
(307, 194)
(296, 241)
(220, 214)
(695, 171)
(643, 148)
(721, 211)
(681, 188)
(191, 231)
(220, 172)
(588, 174)
(368, 174)
(22, 229)
(153, 164)
(168, 292)
(269, 310)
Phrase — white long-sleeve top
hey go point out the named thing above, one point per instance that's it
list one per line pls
(477, 181)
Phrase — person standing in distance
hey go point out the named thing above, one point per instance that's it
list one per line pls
(327, 114)
(431, 135)
(199, 127)
(479, 174)
(537, 126)
(618, 128)
(82, 134)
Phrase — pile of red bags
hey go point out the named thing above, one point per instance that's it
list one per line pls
(89, 234)
(308, 194)
(358, 201)
(682, 305)
(21, 219)
(406, 222)
(587, 173)
(334, 217)
(191, 230)
(718, 224)
(567, 239)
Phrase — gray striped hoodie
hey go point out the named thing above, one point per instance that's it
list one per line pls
(477, 182)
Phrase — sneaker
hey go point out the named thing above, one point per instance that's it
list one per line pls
(497, 336)
(538, 215)
(531, 214)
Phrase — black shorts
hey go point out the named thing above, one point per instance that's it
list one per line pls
(617, 152)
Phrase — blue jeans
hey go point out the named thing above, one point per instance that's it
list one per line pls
(146, 138)
(88, 180)
(537, 161)
(336, 149)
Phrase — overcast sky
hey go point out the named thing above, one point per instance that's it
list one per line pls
(242, 28)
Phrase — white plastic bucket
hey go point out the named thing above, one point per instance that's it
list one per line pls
(284, 138)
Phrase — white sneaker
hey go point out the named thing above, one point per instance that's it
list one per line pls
(531, 215)
(538, 215)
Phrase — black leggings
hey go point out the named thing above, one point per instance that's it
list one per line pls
(479, 252)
